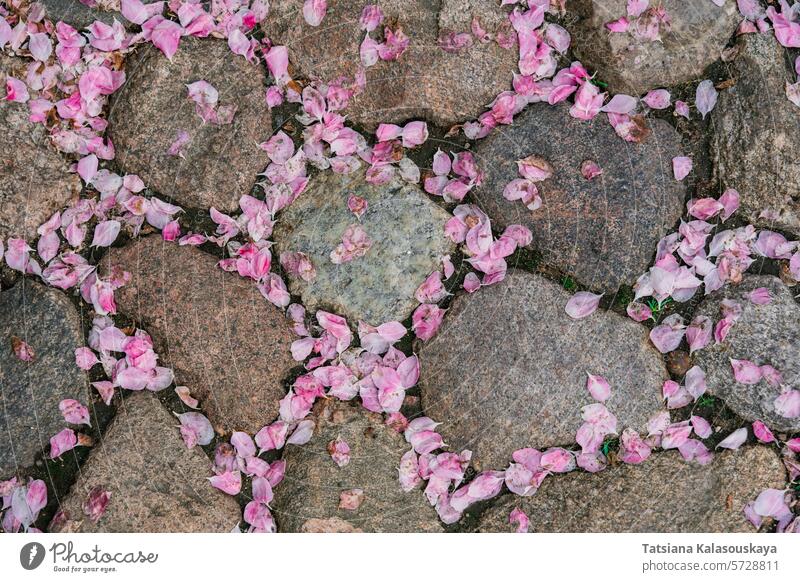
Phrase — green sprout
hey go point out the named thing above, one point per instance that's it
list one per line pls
(568, 283)
(706, 401)
(608, 445)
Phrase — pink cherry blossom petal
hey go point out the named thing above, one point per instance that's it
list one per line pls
(582, 304)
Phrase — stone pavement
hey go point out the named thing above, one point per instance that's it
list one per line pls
(507, 369)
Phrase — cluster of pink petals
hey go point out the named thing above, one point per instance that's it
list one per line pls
(206, 100)
(773, 503)
(21, 503)
(694, 386)
(642, 21)
(471, 227)
(723, 260)
(677, 435)
(394, 43)
(466, 173)
(532, 170)
(136, 368)
(355, 243)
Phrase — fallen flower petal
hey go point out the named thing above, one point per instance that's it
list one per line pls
(582, 304)
(734, 440)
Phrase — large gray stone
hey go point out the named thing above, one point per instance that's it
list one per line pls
(508, 369)
(225, 341)
(220, 163)
(665, 494)
(764, 334)
(308, 499)
(602, 231)
(426, 81)
(156, 483)
(34, 178)
(757, 135)
(407, 233)
(698, 33)
(31, 391)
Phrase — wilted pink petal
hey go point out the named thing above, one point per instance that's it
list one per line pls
(734, 440)
(357, 205)
(681, 166)
(682, 109)
(762, 432)
(695, 382)
(426, 320)
(105, 389)
(534, 168)
(633, 449)
(675, 435)
(471, 282)
(582, 304)
(371, 17)
(706, 97)
(64, 441)
(730, 203)
(745, 371)
(195, 429)
(85, 358)
(302, 433)
(22, 349)
(598, 387)
(314, 11)
(351, 499)
(619, 25)
(74, 412)
(694, 450)
(16, 90)
(667, 336)
(409, 471)
(519, 517)
(229, 482)
(788, 404)
(105, 233)
(272, 436)
(414, 133)
(355, 243)
(639, 311)
(590, 169)
(657, 99)
(432, 290)
(701, 427)
(339, 451)
(760, 296)
(186, 396)
(620, 104)
(772, 503)
(698, 334)
(703, 208)
(96, 503)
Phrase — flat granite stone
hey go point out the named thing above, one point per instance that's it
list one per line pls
(757, 135)
(308, 498)
(604, 231)
(664, 494)
(156, 483)
(407, 233)
(426, 81)
(34, 178)
(698, 33)
(31, 391)
(220, 163)
(764, 334)
(227, 343)
(508, 370)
